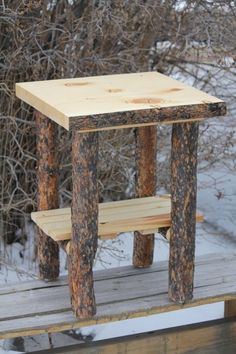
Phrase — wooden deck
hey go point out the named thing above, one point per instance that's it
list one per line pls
(212, 337)
(140, 214)
(37, 307)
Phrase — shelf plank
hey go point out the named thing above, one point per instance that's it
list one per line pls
(121, 293)
(118, 101)
(139, 214)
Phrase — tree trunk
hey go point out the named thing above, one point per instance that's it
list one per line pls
(183, 210)
(48, 251)
(84, 214)
(146, 146)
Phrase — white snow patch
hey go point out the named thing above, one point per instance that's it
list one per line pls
(155, 322)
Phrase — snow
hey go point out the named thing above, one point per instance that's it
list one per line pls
(162, 46)
(182, 5)
(221, 197)
(9, 351)
(155, 322)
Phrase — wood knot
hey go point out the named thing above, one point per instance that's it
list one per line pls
(114, 90)
(174, 89)
(70, 84)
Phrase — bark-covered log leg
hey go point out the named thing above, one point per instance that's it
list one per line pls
(47, 249)
(183, 210)
(146, 147)
(84, 214)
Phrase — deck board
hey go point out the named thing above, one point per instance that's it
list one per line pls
(140, 214)
(211, 337)
(117, 101)
(121, 293)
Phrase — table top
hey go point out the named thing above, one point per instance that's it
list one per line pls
(117, 101)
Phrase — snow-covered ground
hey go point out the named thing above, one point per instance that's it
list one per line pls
(216, 199)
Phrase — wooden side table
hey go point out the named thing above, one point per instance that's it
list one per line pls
(91, 104)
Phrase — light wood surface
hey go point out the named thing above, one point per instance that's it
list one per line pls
(140, 214)
(121, 293)
(70, 102)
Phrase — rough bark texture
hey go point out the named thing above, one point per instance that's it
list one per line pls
(84, 214)
(146, 147)
(230, 308)
(183, 211)
(147, 116)
(48, 251)
(65, 245)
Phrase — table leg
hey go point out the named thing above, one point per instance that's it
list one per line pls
(146, 148)
(48, 250)
(183, 210)
(84, 214)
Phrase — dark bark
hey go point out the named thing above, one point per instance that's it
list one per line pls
(183, 211)
(165, 232)
(146, 146)
(48, 251)
(65, 245)
(84, 213)
(147, 116)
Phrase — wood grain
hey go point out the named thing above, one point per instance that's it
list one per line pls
(145, 186)
(118, 101)
(105, 274)
(47, 173)
(122, 288)
(144, 214)
(121, 293)
(230, 308)
(183, 211)
(211, 337)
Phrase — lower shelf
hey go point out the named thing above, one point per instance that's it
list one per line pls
(141, 214)
(121, 293)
